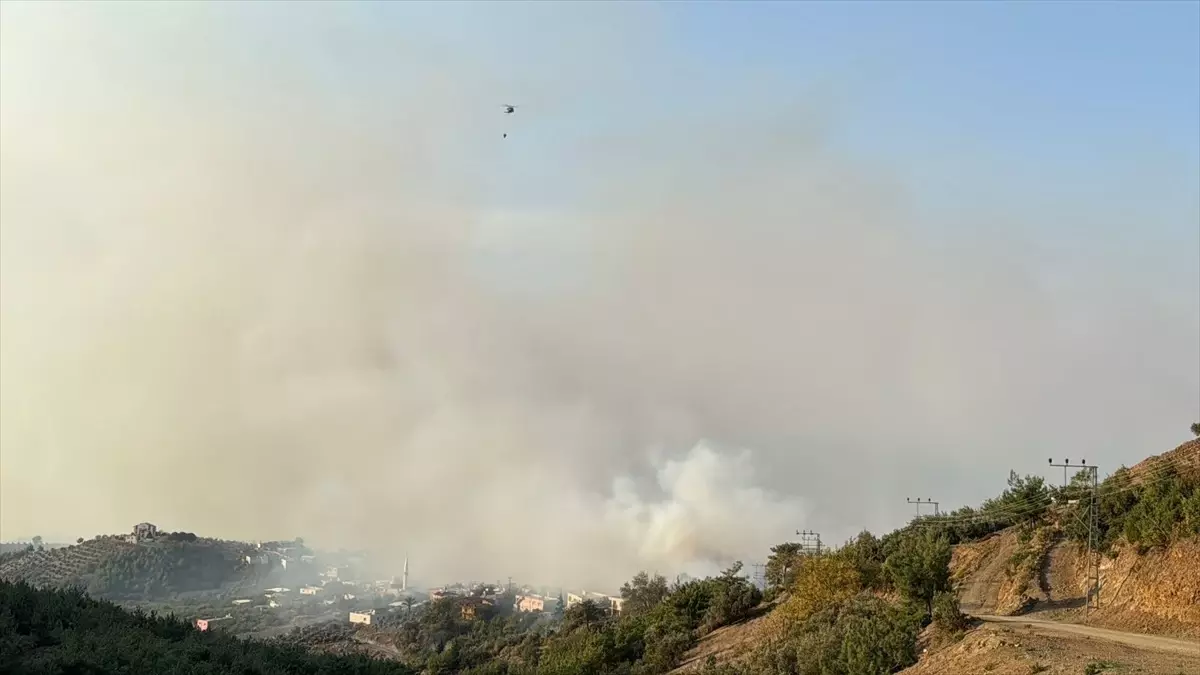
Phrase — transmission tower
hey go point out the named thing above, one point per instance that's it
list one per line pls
(810, 542)
(919, 502)
(760, 576)
(1093, 524)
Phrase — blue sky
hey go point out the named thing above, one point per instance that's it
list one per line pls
(1044, 99)
(1089, 108)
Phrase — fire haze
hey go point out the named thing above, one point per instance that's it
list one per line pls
(266, 274)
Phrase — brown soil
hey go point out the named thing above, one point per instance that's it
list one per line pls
(1018, 650)
(986, 581)
(1185, 459)
(1156, 593)
(979, 571)
(727, 644)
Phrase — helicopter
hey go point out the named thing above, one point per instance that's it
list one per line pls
(508, 110)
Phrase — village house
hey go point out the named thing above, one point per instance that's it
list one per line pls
(363, 618)
(205, 624)
(471, 607)
(611, 604)
(536, 603)
(311, 590)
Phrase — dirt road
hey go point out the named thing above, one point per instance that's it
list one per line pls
(1138, 640)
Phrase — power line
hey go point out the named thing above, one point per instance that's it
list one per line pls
(760, 576)
(918, 502)
(810, 542)
(1163, 471)
(1093, 532)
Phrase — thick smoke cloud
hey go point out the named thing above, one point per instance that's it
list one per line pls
(254, 293)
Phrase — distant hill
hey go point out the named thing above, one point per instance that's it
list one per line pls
(112, 567)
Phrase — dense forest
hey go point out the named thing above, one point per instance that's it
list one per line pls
(63, 632)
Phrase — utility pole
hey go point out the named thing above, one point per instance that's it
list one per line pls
(918, 502)
(1093, 523)
(810, 542)
(760, 576)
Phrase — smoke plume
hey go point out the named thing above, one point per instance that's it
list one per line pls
(268, 276)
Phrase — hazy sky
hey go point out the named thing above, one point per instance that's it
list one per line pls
(738, 269)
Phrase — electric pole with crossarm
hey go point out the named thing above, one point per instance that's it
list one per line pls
(919, 502)
(1093, 523)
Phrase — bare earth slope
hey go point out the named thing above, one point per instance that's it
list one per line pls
(1152, 642)
(1024, 647)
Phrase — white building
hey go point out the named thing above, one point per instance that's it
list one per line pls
(362, 617)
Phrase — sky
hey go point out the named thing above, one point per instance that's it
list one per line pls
(738, 269)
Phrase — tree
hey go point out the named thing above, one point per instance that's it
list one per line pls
(79, 540)
(731, 598)
(782, 564)
(920, 567)
(821, 583)
(584, 614)
(1196, 428)
(865, 552)
(643, 593)
(37, 542)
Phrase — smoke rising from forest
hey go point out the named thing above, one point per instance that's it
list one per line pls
(251, 292)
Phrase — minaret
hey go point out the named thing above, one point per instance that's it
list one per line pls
(404, 579)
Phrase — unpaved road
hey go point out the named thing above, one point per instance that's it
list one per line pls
(1138, 640)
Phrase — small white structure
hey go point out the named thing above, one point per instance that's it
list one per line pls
(242, 601)
(363, 618)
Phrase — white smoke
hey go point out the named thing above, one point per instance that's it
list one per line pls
(251, 290)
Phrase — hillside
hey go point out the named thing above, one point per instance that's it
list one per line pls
(1157, 591)
(1185, 460)
(1150, 570)
(60, 566)
(1020, 554)
(111, 567)
(48, 632)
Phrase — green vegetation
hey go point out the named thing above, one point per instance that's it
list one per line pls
(179, 563)
(1149, 513)
(919, 568)
(659, 624)
(63, 631)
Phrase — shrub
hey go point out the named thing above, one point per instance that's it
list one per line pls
(947, 615)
